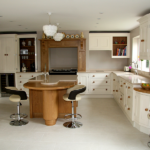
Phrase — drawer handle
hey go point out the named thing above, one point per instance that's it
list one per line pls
(116, 90)
(32, 75)
(106, 81)
(93, 89)
(79, 82)
(121, 85)
(128, 87)
(146, 109)
(142, 40)
(128, 108)
(120, 98)
(106, 89)
(93, 81)
(128, 96)
(113, 79)
(106, 76)
(20, 81)
(20, 75)
(124, 83)
(93, 75)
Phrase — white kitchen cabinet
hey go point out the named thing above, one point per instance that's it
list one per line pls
(8, 51)
(83, 80)
(145, 37)
(100, 41)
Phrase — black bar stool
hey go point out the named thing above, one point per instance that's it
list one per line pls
(73, 94)
(17, 96)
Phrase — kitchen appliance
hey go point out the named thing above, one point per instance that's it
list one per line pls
(63, 71)
(126, 68)
(6, 79)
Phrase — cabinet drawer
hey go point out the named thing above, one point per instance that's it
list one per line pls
(100, 82)
(22, 81)
(129, 98)
(121, 100)
(99, 75)
(129, 88)
(21, 88)
(99, 90)
(26, 75)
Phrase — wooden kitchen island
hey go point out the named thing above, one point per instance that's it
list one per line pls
(46, 97)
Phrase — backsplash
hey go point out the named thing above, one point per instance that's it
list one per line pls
(142, 73)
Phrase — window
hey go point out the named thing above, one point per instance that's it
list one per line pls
(142, 64)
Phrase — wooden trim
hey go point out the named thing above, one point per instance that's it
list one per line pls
(109, 31)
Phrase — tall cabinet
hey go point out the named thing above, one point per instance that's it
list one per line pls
(8, 53)
(145, 37)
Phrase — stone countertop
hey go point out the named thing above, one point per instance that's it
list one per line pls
(54, 79)
(30, 72)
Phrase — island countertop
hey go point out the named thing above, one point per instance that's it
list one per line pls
(51, 82)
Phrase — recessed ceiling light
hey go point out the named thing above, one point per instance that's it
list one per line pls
(26, 28)
(98, 18)
(97, 23)
(10, 21)
(101, 13)
(19, 25)
(1, 16)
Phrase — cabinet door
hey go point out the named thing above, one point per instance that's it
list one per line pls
(143, 38)
(100, 42)
(2, 55)
(81, 61)
(83, 80)
(144, 107)
(10, 59)
(137, 107)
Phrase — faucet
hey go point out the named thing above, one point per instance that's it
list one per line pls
(135, 67)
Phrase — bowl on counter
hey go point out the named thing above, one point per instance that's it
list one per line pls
(145, 86)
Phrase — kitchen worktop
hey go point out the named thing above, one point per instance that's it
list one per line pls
(53, 79)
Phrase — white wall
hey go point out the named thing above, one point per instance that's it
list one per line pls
(100, 60)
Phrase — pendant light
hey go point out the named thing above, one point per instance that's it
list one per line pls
(49, 30)
(58, 36)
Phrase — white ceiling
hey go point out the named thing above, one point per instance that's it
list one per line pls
(72, 14)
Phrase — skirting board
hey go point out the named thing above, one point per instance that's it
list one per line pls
(97, 96)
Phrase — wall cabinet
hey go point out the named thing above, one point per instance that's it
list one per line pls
(145, 37)
(8, 53)
(100, 41)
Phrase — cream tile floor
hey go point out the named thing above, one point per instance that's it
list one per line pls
(105, 127)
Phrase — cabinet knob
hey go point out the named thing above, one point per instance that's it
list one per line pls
(142, 40)
(113, 90)
(93, 75)
(32, 75)
(113, 79)
(20, 75)
(20, 81)
(106, 76)
(116, 90)
(93, 81)
(106, 81)
(79, 82)
(146, 109)
(120, 98)
(124, 83)
(128, 108)
(128, 96)
(128, 87)
(93, 89)
(20, 89)
(106, 89)
(121, 85)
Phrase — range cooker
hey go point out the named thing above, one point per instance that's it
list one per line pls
(63, 72)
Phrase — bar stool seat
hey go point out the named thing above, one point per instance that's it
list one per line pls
(73, 94)
(17, 96)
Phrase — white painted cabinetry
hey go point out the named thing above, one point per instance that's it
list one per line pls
(100, 41)
(145, 37)
(96, 83)
(23, 78)
(8, 53)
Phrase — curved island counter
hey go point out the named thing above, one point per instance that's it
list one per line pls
(46, 96)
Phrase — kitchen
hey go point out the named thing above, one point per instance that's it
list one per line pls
(112, 111)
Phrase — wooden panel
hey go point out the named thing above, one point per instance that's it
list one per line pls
(81, 61)
(82, 45)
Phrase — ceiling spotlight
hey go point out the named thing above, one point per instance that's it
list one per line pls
(19, 25)
(10, 21)
(97, 23)
(98, 18)
(26, 28)
(101, 13)
(1, 16)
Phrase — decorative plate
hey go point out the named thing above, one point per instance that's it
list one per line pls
(72, 36)
(77, 36)
(64, 35)
(67, 36)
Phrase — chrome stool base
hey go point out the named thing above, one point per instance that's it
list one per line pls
(18, 122)
(21, 116)
(72, 124)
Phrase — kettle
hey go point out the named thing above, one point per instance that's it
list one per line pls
(126, 68)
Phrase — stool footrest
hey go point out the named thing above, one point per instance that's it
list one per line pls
(18, 122)
(15, 116)
(70, 116)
